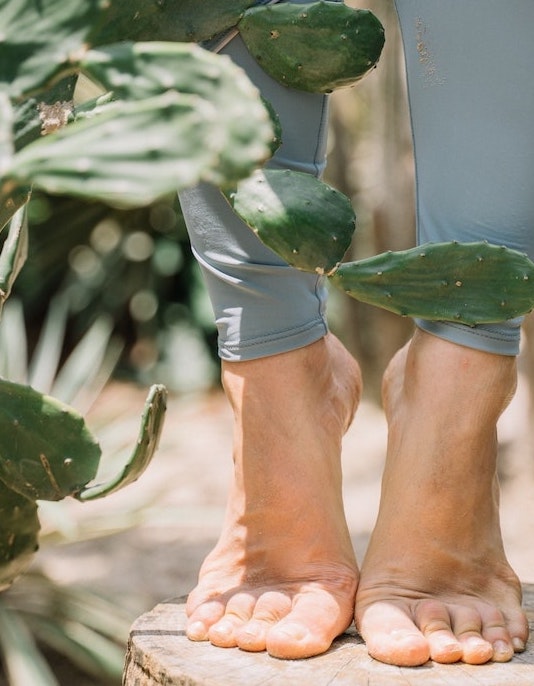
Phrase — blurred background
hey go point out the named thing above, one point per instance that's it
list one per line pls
(116, 298)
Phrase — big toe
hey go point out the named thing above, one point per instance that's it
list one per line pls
(391, 636)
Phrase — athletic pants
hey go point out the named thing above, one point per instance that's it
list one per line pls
(471, 96)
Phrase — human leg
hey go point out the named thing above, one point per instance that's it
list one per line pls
(435, 581)
(283, 576)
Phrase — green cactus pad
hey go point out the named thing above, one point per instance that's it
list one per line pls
(18, 534)
(46, 450)
(147, 443)
(307, 222)
(316, 47)
(171, 20)
(133, 153)
(42, 40)
(242, 135)
(468, 283)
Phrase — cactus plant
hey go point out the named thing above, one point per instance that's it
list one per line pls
(289, 212)
(310, 226)
(171, 20)
(316, 47)
(164, 129)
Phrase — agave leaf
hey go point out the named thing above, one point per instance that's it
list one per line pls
(244, 124)
(85, 360)
(14, 253)
(13, 343)
(42, 40)
(90, 651)
(23, 660)
(6, 132)
(147, 442)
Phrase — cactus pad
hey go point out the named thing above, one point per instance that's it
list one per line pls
(169, 20)
(18, 535)
(307, 222)
(316, 47)
(239, 138)
(46, 450)
(147, 442)
(468, 283)
(41, 40)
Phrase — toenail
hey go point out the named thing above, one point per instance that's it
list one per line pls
(223, 629)
(197, 631)
(296, 632)
(519, 645)
(501, 648)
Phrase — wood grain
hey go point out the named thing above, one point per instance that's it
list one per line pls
(159, 654)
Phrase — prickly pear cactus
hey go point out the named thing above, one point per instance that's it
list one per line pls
(469, 283)
(317, 47)
(169, 20)
(289, 212)
(47, 453)
(310, 226)
(18, 534)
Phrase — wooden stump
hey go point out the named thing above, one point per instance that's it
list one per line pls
(159, 654)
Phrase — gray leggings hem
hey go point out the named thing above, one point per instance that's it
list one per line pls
(281, 342)
(505, 342)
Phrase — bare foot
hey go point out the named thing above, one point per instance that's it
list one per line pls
(283, 577)
(435, 582)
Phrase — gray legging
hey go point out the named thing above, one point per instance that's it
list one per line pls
(471, 91)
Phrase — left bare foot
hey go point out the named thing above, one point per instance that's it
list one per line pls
(435, 582)
(283, 577)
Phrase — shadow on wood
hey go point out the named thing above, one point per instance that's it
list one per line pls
(159, 654)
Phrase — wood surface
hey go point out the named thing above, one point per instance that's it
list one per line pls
(159, 654)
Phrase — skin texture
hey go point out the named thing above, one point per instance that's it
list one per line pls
(435, 581)
(283, 576)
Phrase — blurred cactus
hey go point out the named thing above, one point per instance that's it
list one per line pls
(177, 115)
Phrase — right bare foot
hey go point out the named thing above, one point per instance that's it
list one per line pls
(435, 581)
(283, 576)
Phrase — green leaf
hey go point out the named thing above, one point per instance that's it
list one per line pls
(147, 442)
(14, 253)
(24, 661)
(307, 222)
(41, 40)
(244, 128)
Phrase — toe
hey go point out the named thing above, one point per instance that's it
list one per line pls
(311, 626)
(391, 636)
(433, 619)
(201, 618)
(270, 608)
(238, 611)
(467, 626)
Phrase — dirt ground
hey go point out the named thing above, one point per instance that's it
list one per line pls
(150, 539)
